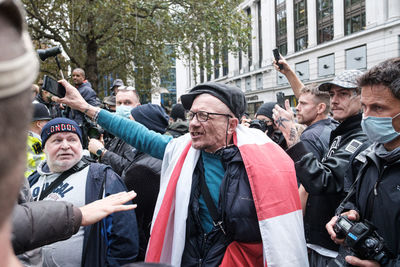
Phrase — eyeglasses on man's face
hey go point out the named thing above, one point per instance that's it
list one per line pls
(203, 116)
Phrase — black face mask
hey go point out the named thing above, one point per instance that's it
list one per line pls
(270, 129)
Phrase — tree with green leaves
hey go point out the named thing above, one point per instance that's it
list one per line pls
(128, 38)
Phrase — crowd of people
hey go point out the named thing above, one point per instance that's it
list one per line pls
(317, 186)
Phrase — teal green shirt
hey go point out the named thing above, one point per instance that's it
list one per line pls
(214, 173)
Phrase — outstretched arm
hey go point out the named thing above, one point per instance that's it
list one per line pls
(75, 100)
(131, 132)
(99, 209)
(61, 218)
(294, 81)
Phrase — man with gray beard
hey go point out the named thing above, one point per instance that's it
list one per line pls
(65, 176)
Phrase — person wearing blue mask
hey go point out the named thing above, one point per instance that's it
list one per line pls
(126, 99)
(377, 192)
(117, 153)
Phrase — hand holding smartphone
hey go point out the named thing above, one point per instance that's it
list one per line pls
(52, 86)
(277, 57)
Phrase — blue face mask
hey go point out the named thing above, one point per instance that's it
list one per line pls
(379, 129)
(123, 111)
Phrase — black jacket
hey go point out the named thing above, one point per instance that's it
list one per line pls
(378, 198)
(324, 180)
(236, 208)
(316, 136)
(143, 176)
(119, 155)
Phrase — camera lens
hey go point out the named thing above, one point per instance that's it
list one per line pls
(370, 243)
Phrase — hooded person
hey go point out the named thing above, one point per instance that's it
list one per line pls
(264, 114)
(143, 173)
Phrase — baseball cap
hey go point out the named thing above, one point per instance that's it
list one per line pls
(116, 83)
(346, 79)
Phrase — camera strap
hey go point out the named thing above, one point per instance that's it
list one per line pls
(352, 188)
(77, 167)
(217, 221)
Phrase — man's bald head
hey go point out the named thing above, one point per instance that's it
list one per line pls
(78, 76)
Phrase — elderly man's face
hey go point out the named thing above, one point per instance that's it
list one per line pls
(63, 150)
(209, 135)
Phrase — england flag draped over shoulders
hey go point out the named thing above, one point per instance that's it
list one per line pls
(273, 184)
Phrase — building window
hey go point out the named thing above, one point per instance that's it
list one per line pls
(253, 107)
(281, 26)
(240, 59)
(260, 51)
(208, 60)
(300, 24)
(324, 20)
(238, 83)
(225, 65)
(354, 16)
(249, 48)
(259, 81)
(248, 84)
(201, 62)
(216, 60)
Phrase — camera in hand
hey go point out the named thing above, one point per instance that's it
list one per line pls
(362, 239)
(258, 124)
(94, 131)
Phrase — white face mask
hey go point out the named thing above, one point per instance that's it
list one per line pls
(380, 129)
(123, 111)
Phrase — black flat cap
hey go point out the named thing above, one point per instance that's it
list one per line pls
(231, 96)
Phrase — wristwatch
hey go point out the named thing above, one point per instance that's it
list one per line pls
(100, 152)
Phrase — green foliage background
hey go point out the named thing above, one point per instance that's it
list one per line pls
(128, 38)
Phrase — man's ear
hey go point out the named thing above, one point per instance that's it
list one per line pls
(321, 108)
(233, 123)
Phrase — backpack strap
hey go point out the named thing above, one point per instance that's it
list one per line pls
(76, 168)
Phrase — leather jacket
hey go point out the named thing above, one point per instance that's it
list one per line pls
(324, 180)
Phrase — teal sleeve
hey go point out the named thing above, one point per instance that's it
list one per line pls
(134, 134)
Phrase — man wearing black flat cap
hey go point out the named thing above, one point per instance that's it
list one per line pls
(228, 194)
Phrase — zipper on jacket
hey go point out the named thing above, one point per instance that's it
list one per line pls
(379, 180)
